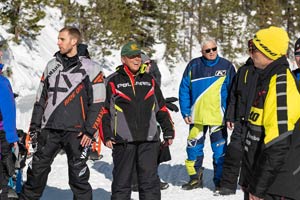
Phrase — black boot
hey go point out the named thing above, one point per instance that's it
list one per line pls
(194, 183)
(163, 185)
(226, 191)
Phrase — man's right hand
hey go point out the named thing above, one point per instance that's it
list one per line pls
(188, 120)
(230, 125)
(34, 139)
(110, 143)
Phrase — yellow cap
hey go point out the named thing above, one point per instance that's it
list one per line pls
(272, 42)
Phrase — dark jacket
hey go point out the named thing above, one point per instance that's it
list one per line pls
(70, 95)
(154, 71)
(272, 147)
(133, 106)
(242, 93)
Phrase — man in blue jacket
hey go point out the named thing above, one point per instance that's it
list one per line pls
(8, 134)
(202, 97)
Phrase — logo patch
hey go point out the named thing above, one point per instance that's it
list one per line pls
(220, 73)
(134, 47)
(82, 171)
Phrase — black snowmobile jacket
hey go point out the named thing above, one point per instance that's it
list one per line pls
(242, 93)
(271, 161)
(133, 106)
(70, 95)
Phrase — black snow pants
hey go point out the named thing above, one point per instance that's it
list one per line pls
(144, 156)
(233, 157)
(50, 142)
(4, 150)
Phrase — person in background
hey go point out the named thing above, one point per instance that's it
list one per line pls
(270, 166)
(297, 58)
(8, 132)
(237, 113)
(151, 68)
(66, 115)
(133, 106)
(202, 97)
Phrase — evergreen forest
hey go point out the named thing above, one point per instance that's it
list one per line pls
(179, 24)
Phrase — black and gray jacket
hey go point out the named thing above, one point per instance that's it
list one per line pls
(70, 95)
(133, 106)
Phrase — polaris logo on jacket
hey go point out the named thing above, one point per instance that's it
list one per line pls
(140, 83)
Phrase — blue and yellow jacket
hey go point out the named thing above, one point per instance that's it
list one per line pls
(204, 89)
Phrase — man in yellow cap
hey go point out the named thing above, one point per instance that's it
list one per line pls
(270, 168)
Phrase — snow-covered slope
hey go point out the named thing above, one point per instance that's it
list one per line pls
(28, 64)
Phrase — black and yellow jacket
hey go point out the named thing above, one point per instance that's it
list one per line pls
(271, 162)
(133, 106)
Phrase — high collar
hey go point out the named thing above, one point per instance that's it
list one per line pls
(276, 65)
(210, 63)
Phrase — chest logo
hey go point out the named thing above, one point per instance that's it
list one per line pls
(220, 73)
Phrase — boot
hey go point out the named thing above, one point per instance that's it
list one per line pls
(226, 191)
(163, 185)
(194, 183)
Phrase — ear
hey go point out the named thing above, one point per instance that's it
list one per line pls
(123, 59)
(74, 41)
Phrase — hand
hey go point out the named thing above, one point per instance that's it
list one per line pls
(85, 140)
(188, 120)
(110, 144)
(168, 142)
(171, 99)
(172, 107)
(34, 139)
(252, 197)
(230, 125)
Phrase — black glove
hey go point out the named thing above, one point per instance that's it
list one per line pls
(34, 138)
(171, 99)
(172, 107)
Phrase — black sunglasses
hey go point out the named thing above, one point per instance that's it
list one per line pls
(209, 50)
(297, 53)
(252, 48)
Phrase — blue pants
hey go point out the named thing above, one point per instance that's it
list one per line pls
(195, 145)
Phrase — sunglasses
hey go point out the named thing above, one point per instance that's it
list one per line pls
(209, 50)
(252, 48)
(147, 63)
(297, 53)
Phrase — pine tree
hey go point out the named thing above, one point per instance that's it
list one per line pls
(168, 29)
(22, 17)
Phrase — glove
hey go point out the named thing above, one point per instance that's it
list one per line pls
(34, 139)
(171, 99)
(172, 107)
